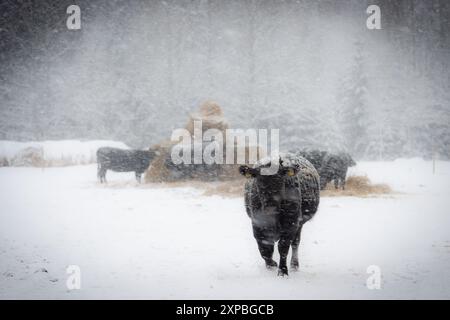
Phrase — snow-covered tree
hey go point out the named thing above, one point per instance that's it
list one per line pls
(354, 105)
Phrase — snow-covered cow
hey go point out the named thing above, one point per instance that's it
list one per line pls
(334, 168)
(279, 204)
(330, 166)
(123, 161)
(314, 156)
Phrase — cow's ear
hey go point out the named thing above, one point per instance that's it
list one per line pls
(290, 171)
(247, 171)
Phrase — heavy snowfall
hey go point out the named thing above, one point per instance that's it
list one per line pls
(134, 72)
(153, 241)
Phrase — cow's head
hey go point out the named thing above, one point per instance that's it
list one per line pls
(271, 188)
(146, 157)
(349, 160)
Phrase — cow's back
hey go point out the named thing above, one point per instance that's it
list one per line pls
(310, 188)
(308, 180)
(117, 159)
(103, 154)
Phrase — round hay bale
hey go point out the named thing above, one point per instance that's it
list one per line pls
(29, 157)
(4, 162)
(211, 115)
(162, 169)
(158, 171)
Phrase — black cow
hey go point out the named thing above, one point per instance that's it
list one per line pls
(279, 205)
(334, 168)
(316, 157)
(123, 161)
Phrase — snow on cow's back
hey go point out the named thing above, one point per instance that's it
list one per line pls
(309, 182)
(289, 159)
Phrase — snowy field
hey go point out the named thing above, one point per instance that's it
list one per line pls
(155, 242)
(56, 152)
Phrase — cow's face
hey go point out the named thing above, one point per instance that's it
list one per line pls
(349, 160)
(271, 188)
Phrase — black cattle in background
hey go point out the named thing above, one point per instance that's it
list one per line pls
(123, 161)
(330, 166)
(279, 204)
(334, 168)
(316, 157)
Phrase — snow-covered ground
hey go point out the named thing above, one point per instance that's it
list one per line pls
(61, 152)
(155, 242)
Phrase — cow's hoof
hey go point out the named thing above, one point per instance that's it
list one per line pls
(270, 264)
(294, 265)
(283, 271)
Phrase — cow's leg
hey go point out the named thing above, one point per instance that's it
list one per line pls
(295, 244)
(266, 250)
(99, 168)
(266, 242)
(344, 176)
(288, 230)
(138, 176)
(103, 175)
(283, 249)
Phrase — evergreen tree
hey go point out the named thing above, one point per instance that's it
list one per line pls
(354, 106)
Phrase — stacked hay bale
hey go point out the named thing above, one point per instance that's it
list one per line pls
(211, 115)
(29, 157)
(4, 162)
(162, 169)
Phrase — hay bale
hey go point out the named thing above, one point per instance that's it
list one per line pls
(363, 185)
(229, 188)
(158, 171)
(29, 157)
(358, 186)
(211, 115)
(162, 168)
(4, 162)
